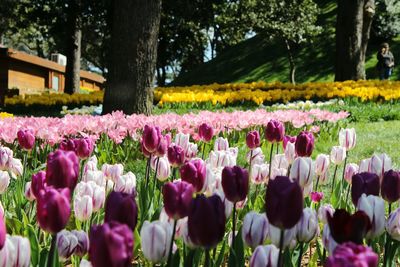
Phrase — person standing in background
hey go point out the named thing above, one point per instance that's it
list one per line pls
(385, 62)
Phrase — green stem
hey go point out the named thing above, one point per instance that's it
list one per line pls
(51, 256)
(270, 160)
(207, 259)
(316, 184)
(388, 241)
(202, 151)
(147, 173)
(280, 260)
(169, 263)
(334, 177)
(233, 225)
(251, 160)
(300, 254)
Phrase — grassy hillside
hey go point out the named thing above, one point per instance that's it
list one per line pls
(263, 58)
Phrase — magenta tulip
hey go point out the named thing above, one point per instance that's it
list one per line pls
(274, 131)
(177, 198)
(206, 221)
(62, 169)
(288, 139)
(111, 245)
(235, 183)
(84, 147)
(38, 183)
(390, 187)
(3, 231)
(194, 172)
(284, 202)
(26, 139)
(304, 144)
(151, 138)
(364, 183)
(206, 132)
(53, 209)
(253, 139)
(176, 155)
(122, 208)
(350, 254)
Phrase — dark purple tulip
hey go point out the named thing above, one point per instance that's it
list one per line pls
(26, 139)
(274, 131)
(288, 139)
(253, 139)
(177, 198)
(68, 145)
(3, 231)
(62, 169)
(390, 187)
(235, 183)
(122, 208)
(345, 227)
(176, 155)
(206, 132)
(84, 147)
(350, 254)
(304, 144)
(151, 138)
(111, 245)
(284, 202)
(365, 182)
(53, 209)
(38, 183)
(194, 172)
(206, 221)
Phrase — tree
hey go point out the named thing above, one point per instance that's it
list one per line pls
(135, 26)
(354, 19)
(386, 23)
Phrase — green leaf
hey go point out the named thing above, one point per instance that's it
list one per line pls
(34, 242)
(221, 255)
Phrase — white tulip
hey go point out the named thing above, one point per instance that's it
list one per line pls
(307, 227)
(125, 183)
(255, 228)
(155, 240)
(374, 207)
(4, 181)
(338, 155)
(265, 256)
(347, 138)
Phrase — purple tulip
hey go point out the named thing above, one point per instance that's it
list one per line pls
(111, 245)
(274, 131)
(84, 147)
(38, 183)
(3, 231)
(288, 139)
(194, 172)
(390, 187)
(151, 138)
(365, 182)
(176, 155)
(62, 169)
(284, 202)
(206, 132)
(350, 254)
(83, 243)
(235, 183)
(162, 147)
(206, 221)
(26, 139)
(122, 208)
(177, 198)
(253, 139)
(53, 209)
(146, 153)
(304, 144)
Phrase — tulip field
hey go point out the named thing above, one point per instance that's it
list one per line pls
(241, 188)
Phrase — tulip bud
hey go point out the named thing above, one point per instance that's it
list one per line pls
(274, 131)
(364, 182)
(15, 167)
(6, 155)
(324, 211)
(4, 181)
(176, 155)
(26, 139)
(288, 139)
(162, 146)
(316, 197)
(365, 165)
(350, 254)
(28, 192)
(155, 240)
(304, 144)
(321, 164)
(194, 172)
(222, 159)
(349, 171)
(338, 154)
(84, 147)
(112, 172)
(279, 161)
(62, 169)
(255, 229)
(146, 153)
(290, 152)
(66, 244)
(374, 207)
(151, 138)
(22, 250)
(53, 209)
(307, 227)
(191, 151)
(393, 224)
(289, 237)
(265, 256)
(125, 183)
(221, 144)
(259, 173)
(253, 139)
(235, 183)
(182, 140)
(91, 164)
(82, 246)
(380, 164)
(347, 138)
(210, 210)
(302, 170)
(38, 183)
(255, 156)
(122, 208)
(390, 187)
(164, 169)
(83, 207)
(284, 202)
(177, 198)
(111, 244)
(206, 132)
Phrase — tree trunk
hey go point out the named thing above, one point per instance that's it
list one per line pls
(354, 19)
(133, 56)
(292, 64)
(73, 53)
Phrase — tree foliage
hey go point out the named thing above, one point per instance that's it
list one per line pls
(386, 24)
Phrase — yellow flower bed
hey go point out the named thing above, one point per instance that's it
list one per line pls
(51, 99)
(5, 115)
(259, 92)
